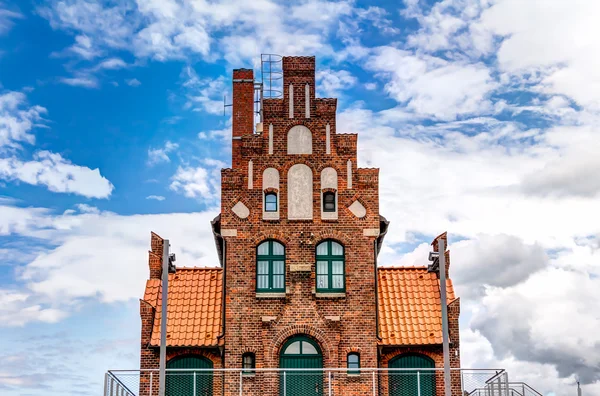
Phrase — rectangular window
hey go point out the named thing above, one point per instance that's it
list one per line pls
(270, 267)
(353, 363)
(330, 268)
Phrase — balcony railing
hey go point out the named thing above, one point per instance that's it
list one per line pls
(304, 382)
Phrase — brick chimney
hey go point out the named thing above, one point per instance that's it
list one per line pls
(243, 112)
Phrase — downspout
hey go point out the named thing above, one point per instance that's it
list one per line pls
(375, 252)
(224, 261)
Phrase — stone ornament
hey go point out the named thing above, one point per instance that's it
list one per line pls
(241, 210)
(358, 209)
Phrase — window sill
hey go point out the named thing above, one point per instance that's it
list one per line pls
(248, 375)
(330, 295)
(270, 295)
(353, 374)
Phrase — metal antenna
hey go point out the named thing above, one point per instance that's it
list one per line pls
(225, 105)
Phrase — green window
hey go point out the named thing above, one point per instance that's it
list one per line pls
(270, 267)
(353, 363)
(330, 267)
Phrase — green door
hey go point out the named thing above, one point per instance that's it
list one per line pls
(301, 353)
(181, 383)
(412, 382)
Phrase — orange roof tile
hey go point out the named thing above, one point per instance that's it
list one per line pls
(410, 312)
(194, 314)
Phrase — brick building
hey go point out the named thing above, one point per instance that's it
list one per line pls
(297, 284)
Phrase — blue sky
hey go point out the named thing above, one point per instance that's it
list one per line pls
(483, 116)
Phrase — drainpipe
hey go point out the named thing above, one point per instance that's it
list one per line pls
(224, 287)
(376, 292)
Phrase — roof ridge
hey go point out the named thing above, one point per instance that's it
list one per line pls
(402, 267)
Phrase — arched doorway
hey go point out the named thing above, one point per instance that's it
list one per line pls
(412, 382)
(181, 383)
(301, 352)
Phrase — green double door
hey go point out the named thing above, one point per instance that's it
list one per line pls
(189, 383)
(301, 353)
(412, 382)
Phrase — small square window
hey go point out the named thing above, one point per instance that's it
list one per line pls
(329, 202)
(270, 202)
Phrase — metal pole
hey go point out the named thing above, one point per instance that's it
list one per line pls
(151, 383)
(105, 384)
(194, 388)
(446, 341)
(241, 381)
(163, 319)
(284, 385)
(330, 383)
(374, 387)
(418, 383)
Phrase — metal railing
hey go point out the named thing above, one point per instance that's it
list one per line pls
(301, 382)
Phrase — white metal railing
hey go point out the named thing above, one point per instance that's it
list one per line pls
(300, 382)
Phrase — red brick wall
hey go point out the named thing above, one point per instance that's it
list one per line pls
(300, 311)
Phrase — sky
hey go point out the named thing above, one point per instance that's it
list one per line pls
(483, 116)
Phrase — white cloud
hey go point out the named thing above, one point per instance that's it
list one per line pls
(7, 18)
(432, 86)
(98, 255)
(235, 30)
(156, 197)
(204, 95)
(160, 155)
(85, 81)
(16, 310)
(111, 64)
(331, 82)
(57, 174)
(377, 17)
(17, 119)
(133, 82)
(201, 182)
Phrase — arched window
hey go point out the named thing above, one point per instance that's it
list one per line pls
(248, 363)
(353, 363)
(271, 202)
(270, 267)
(330, 267)
(329, 202)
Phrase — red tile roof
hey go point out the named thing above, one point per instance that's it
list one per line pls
(194, 314)
(410, 311)
(409, 306)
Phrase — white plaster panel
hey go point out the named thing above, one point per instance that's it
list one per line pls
(329, 178)
(328, 139)
(307, 101)
(240, 210)
(349, 175)
(358, 209)
(270, 138)
(291, 100)
(250, 177)
(300, 193)
(371, 232)
(299, 140)
(229, 232)
(270, 178)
